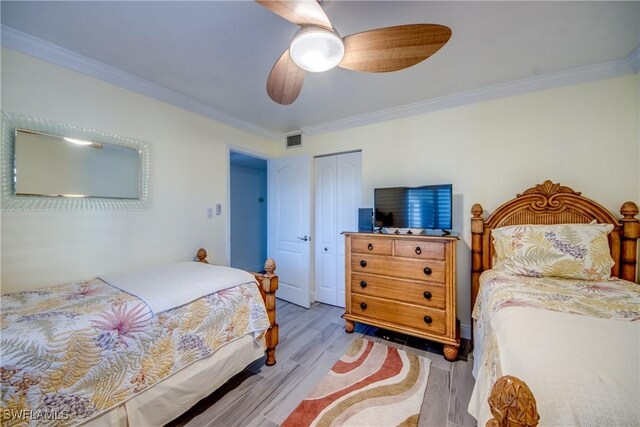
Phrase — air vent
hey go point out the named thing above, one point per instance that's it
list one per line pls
(294, 140)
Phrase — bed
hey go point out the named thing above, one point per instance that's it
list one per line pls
(556, 334)
(127, 350)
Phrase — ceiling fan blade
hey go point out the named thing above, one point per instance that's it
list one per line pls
(301, 12)
(393, 48)
(285, 80)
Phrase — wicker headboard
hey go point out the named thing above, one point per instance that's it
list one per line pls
(550, 203)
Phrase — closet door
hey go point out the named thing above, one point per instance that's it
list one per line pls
(337, 199)
(325, 242)
(349, 199)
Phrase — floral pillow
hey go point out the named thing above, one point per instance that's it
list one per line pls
(572, 251)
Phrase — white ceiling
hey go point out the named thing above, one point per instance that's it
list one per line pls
(220, 53)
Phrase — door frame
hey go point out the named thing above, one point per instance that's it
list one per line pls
(248, 152)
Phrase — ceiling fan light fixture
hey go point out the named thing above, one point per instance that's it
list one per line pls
(316, 49)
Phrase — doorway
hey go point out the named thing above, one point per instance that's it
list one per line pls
(248, 211)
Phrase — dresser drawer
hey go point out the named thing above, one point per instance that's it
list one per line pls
(419, 249)
(404, 268)
(368, 245)
(426, 294)
(411, 316)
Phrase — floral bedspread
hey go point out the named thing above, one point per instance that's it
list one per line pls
(70, 352)
(609, 299)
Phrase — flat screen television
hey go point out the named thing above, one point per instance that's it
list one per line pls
(427, 207)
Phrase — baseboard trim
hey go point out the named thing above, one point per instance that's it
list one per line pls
(465, 331)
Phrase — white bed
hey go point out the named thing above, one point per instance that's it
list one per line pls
(583, 370)
(556, 311)
(135, 349)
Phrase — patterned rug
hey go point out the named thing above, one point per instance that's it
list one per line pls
(371, 385)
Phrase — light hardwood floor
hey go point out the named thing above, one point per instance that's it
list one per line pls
(311, 341)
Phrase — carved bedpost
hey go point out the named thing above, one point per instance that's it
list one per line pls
(630, 235)
(477, 229)
(512, 404)
(269, 283)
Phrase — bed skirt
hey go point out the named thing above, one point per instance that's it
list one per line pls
(173, 396)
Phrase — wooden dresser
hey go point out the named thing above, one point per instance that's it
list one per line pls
(404, 283)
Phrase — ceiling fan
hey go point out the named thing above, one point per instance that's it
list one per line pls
(318, 47)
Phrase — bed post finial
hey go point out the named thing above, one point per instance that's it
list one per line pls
(629, 210)
(202, 256)
(512, 404)
(270, 267)
(476, 211)
(630, 235)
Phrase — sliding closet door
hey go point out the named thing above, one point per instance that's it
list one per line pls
(349, 199)
(337, 199)
(325, 246)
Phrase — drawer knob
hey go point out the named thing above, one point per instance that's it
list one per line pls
(363, 305)
(427, 294)
(363, 284)
(363, 263)
(427, 320)
(427, 271)
(418, 250)
(370, 247)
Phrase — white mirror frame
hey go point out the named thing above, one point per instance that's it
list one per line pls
(9, 201)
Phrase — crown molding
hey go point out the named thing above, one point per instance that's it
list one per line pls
(616, 68)
(39, 48)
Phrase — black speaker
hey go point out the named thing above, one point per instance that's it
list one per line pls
(365, 220)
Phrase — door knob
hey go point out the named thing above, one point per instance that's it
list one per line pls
(305, 238)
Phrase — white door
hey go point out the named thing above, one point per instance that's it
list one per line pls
(349, 196)
(337, 199)
(325, 235)
(289, 226)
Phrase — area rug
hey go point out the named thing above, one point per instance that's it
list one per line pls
(371, 385)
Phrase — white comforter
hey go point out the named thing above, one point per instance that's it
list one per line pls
(583, 371)
(575, 343)
(173, 285)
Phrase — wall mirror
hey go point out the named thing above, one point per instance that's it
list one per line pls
(55, 166)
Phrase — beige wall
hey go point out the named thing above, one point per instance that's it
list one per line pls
(585, 136)
(189, 173)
